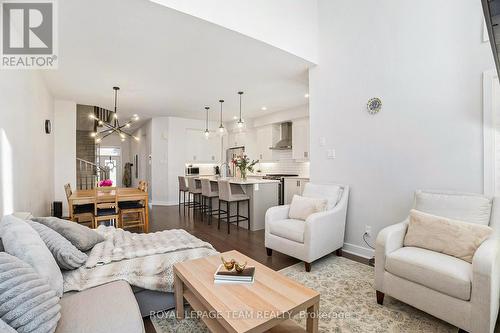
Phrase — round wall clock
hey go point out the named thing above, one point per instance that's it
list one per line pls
(374, 105)
(48, 126)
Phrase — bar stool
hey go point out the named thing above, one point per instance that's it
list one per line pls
(183, 188)
(226, 195)
(209, 191)
(195, 190)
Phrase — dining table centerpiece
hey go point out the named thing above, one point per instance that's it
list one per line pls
(244, 165)
(106, 183)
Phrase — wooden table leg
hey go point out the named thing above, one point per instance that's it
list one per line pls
(312, 318)
(179, 297)
(146, 220)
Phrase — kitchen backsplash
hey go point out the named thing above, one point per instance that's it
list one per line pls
(285, 164)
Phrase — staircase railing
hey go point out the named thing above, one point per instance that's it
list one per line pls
(89, 174)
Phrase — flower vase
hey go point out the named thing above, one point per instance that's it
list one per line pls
(243, 174)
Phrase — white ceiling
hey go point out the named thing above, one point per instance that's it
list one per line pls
(168, 63)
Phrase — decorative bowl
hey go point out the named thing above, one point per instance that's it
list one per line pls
(229, 265)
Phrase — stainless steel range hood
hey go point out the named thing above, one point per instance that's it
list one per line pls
(285, 143)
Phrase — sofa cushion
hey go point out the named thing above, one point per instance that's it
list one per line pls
(437, 271)
(22, 241)
(472, 208)
(290, 229)
(80, 236)
(332, 193)
(66, 254)
(452, 237)
(27, 302)
(4, 328)
(301, 207)
(104, 309)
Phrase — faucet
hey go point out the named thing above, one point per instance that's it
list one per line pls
(225, 170)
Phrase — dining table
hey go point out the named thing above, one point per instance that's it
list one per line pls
(82, 197)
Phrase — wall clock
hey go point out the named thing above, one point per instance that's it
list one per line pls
(374, 105)
(48, 126)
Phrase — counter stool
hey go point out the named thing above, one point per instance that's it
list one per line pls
(195, 190)
(209, 191)
(183, 188)
(226, 195)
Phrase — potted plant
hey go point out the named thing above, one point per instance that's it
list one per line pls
(106, 183)
(244, 164)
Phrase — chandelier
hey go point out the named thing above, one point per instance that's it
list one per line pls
(114, 126)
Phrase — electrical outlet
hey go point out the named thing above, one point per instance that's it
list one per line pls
(368, 230)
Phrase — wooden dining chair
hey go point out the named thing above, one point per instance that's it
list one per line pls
(79, 213)
(106, 205)
(133, 213)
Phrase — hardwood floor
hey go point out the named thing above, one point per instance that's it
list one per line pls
(250, 243)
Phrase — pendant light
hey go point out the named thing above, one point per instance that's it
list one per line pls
(207, 131)
(221, 126)
(240, 121)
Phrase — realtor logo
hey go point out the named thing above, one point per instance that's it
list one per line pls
(28, 34)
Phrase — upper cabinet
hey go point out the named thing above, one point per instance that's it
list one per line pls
(300, 139)
(199, 149)
(267, 136)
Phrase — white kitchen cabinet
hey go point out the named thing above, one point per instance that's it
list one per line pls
(300, 139)
(294, 186)
(267, 136)
(199, 149)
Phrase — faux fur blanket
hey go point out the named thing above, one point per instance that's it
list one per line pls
(121, 244)
(146, 261)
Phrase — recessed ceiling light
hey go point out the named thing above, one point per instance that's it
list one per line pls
(263, 108)
(306, 95)
(235, 117)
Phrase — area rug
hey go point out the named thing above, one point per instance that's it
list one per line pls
(347, 303)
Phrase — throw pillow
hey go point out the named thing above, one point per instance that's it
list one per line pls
(440, 234)
(22, 241)
(66, 254)
(302, 207)
(80, 236)
(27, 302)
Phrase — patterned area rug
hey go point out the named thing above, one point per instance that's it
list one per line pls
(347, 303)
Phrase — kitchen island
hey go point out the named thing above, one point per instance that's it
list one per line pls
(263, 195)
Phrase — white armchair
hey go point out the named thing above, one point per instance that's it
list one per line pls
(320, 234)
(463, 294)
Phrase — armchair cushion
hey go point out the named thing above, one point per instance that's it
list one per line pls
(302, 207)
(467, 207)
(437, 271)
(290, 229)
(332, 193)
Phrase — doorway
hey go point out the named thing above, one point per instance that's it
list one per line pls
(111, 158)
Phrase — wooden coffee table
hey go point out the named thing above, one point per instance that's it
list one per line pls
(264, 306)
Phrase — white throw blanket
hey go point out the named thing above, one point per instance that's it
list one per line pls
(143, 260)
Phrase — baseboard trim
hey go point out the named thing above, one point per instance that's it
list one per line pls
(164, 203)
(359, 251)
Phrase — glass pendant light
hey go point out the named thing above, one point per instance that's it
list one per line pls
(207, 131)
(221, 126)
(240, 121)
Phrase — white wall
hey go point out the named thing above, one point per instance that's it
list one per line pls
(142, 149)
(164, 138)
(425, 61)
(285, 24)
(26, 152)
(64, 129)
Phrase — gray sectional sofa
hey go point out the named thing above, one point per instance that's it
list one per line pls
(112, 307)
